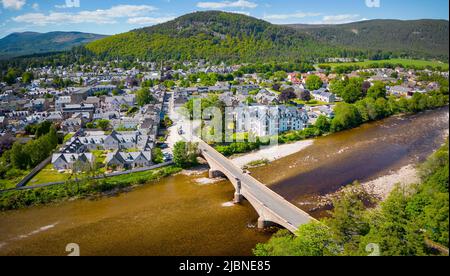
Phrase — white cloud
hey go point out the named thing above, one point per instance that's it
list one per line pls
(148, 20)
(108, 16)
(227, 4)
(35, 6)
(13, 4)
(340, 19)
(296, 15)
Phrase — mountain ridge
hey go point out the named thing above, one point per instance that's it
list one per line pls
(428, 37)
(29, 43)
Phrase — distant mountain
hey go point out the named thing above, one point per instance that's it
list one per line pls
(216, 36)
(27, 43)
(420, 38)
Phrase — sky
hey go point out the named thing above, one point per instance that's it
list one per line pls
(118, 16)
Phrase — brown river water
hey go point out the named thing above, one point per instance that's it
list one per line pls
(179, 216)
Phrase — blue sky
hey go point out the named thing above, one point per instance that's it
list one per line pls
(116, 16)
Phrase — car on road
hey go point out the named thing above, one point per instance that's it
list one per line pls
(167, 156)
(163, 146)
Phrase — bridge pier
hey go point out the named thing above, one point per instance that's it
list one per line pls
(262, 223)
(237, 198)
(237, 193)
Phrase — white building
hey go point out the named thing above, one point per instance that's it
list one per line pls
(261, 120)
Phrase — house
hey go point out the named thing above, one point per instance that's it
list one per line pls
(95, 101)
(323, 96)
(294, 78)
(266, 97)
(70, 161)
(94, 140)
(115, 102)
(75, 122)
(61, 101)
(400, 90)
(129, 160)
(324, 110)
(55, 117)
(261, 120)
(3, 121)
(69, 109)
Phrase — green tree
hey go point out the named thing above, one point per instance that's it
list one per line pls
(323, 124)
(103, 124)
(377, 90)
(185, 154)
(312, 239)
(157, 156)
(353, 90)
(346, 116)
(19, 158)
(43, 128)
(314, 82)
(27, 77)
(143, 97)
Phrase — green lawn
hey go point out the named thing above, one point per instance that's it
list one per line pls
(310, 103)
(404, 62)
(12, 179)
(68, 137)
(48, 174)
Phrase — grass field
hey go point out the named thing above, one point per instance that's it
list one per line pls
(13, 178)
(404, 62)
(48, 174)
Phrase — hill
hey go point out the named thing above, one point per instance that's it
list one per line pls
(414, 38)
(27, 43)
(216, 36)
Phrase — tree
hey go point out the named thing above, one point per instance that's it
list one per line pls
(11, 76)
(287, 95)
(352, 91)
(280, 75)
(157, 156)
(103, 124)
(346, 116)
(314, 82)
(185, 154)
(348, 222)
(305, 95)
(313, 239)
(377, 90)
(19, 158)
(323, 124)
(365, 87)
(27, 77)
(43, 128)
(143, 97)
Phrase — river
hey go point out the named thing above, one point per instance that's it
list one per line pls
(179, 215)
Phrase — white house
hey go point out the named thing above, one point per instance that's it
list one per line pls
(129, 160)
(66, 161)
(324, 96)
(263, 120)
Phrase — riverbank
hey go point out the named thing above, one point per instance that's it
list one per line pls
(84, 188)
(271, 153)
(375, 190)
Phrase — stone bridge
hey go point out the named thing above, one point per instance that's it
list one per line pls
(271, 207)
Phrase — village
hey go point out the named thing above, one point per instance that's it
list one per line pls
(117, 119)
